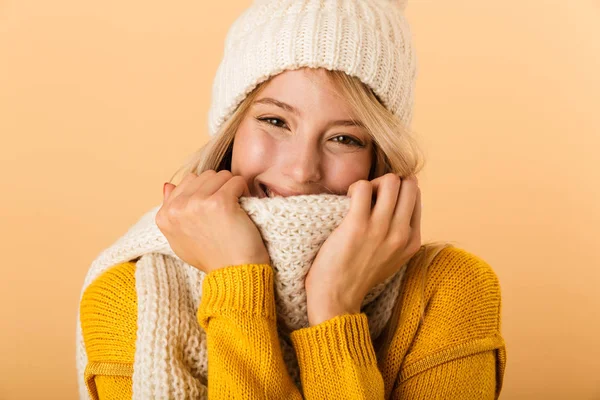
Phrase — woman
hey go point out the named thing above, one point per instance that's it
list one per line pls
(312, 98)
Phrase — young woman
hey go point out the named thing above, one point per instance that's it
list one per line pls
(312, 98)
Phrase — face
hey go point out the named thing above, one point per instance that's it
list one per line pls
(298, 137)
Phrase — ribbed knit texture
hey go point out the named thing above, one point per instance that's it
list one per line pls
(457, 352)
(112, 340)
(237, 311)
(368, 39)
(171, 355)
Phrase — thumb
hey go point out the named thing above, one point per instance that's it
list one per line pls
(167, 189)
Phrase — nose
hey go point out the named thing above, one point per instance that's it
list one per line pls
(302, 163)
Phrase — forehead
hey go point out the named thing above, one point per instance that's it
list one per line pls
(310, 90)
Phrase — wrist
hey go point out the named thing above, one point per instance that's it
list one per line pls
(321, 311)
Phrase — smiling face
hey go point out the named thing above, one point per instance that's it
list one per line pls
(299, 137)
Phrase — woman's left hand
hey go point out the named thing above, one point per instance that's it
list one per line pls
(369, 246)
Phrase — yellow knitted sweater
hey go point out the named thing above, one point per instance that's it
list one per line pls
(455, 352)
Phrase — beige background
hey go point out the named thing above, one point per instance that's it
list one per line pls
(100, 102)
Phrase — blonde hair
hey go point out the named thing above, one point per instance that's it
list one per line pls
(395, 150)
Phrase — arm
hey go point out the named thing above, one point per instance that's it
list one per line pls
(337, 359)
(457, 352)
(336, 362)
(109, 321)
(463, 378)
(237, 311)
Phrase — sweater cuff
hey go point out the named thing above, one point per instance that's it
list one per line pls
(245, 288)
(333, 344)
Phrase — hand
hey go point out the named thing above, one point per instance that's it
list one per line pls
(369, 246)
(205, 225)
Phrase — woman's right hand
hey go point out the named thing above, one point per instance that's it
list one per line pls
(205, 225)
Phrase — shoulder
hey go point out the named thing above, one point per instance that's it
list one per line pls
(463, 276)
(108, 314)
(452, 311)
(461, 294)
(113, 285)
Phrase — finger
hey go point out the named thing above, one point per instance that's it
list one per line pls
(415, 221)
(406, 203)
(179, 189)
(168, 188)
(213, 183)
(387, 188)
(236, 187)
(360, 193)
(194, 183)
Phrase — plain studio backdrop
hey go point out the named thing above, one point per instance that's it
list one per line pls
(100, 102)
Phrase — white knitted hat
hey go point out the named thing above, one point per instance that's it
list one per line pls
(369, 39)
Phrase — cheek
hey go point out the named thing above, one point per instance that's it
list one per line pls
(251, 153)
(341, 173)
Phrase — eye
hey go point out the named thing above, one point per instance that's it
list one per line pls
(272, 121)
(349, 141)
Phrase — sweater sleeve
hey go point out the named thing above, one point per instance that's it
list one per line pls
(108, 314)
(462, 378)
(457, 352)
(237, 311)
(337, 359)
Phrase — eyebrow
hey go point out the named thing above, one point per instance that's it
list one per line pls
(293, 110)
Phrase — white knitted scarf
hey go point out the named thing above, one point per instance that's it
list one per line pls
(170, 352)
